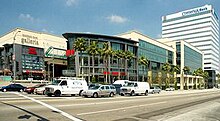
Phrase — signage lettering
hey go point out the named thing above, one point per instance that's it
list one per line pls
(194, 11)
(28, 39)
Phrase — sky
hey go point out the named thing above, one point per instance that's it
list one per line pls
(108, 17)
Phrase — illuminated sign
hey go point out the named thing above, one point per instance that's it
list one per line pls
(28, 39)
(32, 51)
(69, 52)
(194, 11)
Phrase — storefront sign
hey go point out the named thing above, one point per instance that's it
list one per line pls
(28, 39)
(32, 51)
(69, 52)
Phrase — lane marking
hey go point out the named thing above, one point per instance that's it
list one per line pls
(104, 111)
(51, 107)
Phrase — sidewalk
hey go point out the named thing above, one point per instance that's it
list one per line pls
(188, 91)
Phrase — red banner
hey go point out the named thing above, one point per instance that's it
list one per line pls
(106, 73)
(69, 52)
(32, 51)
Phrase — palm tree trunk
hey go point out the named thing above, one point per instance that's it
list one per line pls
(93, 65)
(109, 70)
(89, 69)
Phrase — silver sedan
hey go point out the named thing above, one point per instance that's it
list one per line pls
(100, 90)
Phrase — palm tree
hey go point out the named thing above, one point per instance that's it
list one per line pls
(105, 53)
(93, 50)
(79, 45)
(176, 69)
(218, 75)
(167, 68)
(143, 61)
(128, 56)
(186, 71)
(120, 55)
(205, 75)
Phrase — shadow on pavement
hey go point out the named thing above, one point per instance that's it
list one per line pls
(27, 116)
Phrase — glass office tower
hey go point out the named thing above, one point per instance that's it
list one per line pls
(199, 27)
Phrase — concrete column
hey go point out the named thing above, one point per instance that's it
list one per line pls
(187, 83)
(182, 82)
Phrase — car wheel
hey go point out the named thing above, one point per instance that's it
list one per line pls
(80, 93)
(57, 93)
(49, 95)
(122, 94)
(132, 93)
(146, 92)
(95, 95)
(4, 90)
(21, 90)
(111, 94)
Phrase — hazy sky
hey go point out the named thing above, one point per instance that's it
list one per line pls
(109, 17)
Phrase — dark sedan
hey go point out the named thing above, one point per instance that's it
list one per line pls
(30, 90)
(13, 87)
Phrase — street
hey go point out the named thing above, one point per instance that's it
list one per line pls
(203, 105)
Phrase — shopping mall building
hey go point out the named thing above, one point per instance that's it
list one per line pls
(36, 55)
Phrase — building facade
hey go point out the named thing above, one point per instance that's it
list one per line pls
(156, 52)
(199, 27)
(190, 56)
(135, 42)
(35, 54)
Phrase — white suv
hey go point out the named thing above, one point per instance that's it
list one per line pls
(67, 85)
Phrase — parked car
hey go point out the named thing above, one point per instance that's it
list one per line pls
(135, 88)
(40, 90)
(66, 85)
(100, 90)
(13, 87)
(93, 84)
(30, 90)
(155, 89)
(118, 87)
(170, 89)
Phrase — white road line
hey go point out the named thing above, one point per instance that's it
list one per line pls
(50, 107)
(103, 111)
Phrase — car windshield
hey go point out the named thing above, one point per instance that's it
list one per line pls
(56, 82)
(94, 87)
(129, 84)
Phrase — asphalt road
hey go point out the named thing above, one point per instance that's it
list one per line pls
(202, 105)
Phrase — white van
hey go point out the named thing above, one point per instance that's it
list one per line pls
(66, 85)
(135, 88)
(122, 82)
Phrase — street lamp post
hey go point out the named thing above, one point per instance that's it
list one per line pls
(14, 61)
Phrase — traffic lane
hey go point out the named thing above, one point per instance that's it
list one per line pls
(14, 110)
(101, 99)
(114, 110)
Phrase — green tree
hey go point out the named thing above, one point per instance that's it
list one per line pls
(105, 53)
(80, 45)
(205, 75)
(175, 69)
(128, 56)
(186, 71)
(144, 62)
(167, 68)
(93, 50)
(218, 76)
(120, 55)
